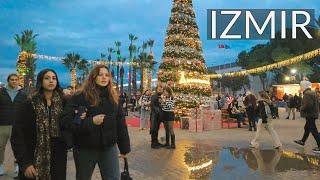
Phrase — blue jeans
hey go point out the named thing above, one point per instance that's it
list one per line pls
(144, 118)
(107, 160)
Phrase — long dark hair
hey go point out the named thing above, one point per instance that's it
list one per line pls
(90, 89)
(40, 77)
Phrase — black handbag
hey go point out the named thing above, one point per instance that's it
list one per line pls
(125, 175)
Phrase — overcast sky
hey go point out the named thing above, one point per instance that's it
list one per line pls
(88, 27)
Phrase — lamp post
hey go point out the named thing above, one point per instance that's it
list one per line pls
(293, 74)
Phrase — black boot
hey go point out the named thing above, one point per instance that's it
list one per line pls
(167, 141)
(173, 141)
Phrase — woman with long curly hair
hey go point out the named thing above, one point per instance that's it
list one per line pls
(37, 140)
(103, 131)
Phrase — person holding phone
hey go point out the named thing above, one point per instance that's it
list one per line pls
(103, 131)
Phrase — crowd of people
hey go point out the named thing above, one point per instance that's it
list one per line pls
(263, 109)
(90, 121)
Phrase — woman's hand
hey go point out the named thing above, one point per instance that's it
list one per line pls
(30, 172)
(83, 116)
(98, 119)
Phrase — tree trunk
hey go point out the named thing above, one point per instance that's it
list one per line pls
(142, 79)
(134, 79)
(117, 76)
(149, 72)
(73, 78)
(262, 79)
(121, 79)
(129, 80)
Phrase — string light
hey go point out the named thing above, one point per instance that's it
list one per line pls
(304, 57)
(53, 58)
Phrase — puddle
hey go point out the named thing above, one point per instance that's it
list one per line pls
(207, 162)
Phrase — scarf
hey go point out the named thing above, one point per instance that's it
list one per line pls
(46, 129)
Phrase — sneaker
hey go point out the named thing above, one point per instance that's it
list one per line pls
(253, 145)
(299, 142)
(277, 147)
(316, 150)
(1, 170)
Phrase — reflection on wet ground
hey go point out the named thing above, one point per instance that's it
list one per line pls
(205, 162)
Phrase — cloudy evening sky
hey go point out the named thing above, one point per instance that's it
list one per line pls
(89, 27)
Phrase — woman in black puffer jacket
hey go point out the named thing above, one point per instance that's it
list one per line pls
(97, 137)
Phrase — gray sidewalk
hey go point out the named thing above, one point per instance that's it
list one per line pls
(147, 163)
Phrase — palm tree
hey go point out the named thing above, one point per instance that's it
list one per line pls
(110, 52)
(134, 71)
(122, 74)
(84, 67)
(150, 64)
(71, 61)
(103, 58)
(142, 61)
(132, 38)
(118, 44)
(26, 67)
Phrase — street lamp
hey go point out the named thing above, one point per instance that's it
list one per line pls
(293, 71)
(287, 78)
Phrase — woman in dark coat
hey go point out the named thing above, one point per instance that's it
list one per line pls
(250, 102)
(36, 139)
(99, 136)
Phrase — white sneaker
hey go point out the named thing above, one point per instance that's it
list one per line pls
(255, 145)
(1, 170)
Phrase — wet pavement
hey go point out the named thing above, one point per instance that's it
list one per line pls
(203, 161)
(234, 163)
(219, 155)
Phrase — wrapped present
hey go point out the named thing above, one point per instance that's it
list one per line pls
(216, 115)
(195, 125)
(185, 122)
(195, 113)
(208, 125)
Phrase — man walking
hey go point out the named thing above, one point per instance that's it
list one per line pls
(309, 110)
(11, 97)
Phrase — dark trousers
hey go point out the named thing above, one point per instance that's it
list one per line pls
(310, 126)
(252, 122)
(58, 161)
(155, 121)
(107, 160)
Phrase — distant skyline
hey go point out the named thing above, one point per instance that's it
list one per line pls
(90, 27)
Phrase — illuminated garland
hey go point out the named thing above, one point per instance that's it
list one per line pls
(53, 58)
(179, 20)
(183, 29)
(22, 67)
(183, 1)
(182, 52)
(180, 8)
(178, 40)
(198, 66)
(304, 57)
(183, 68)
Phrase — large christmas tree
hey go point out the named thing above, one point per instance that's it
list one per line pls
(183, 67)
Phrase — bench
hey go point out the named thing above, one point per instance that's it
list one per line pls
(225, 118)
